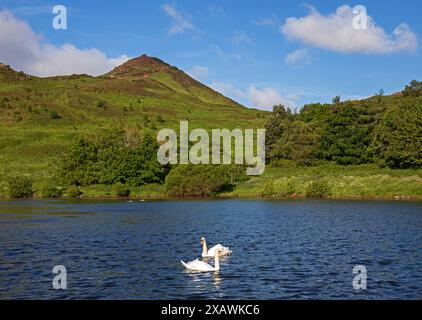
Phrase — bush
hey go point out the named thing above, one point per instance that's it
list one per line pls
(54, 115)
(101, 104)
(317, 189)
(121, 191)
(160, 119)
(73, 192)
(268, 190)
(202, 180)
(286, 187)
(20, 187)
(282, 188)
(51, 191)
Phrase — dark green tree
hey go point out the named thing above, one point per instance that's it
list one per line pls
(348, 135)
(398, 137)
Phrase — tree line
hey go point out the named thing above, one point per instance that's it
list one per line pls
(382, 130)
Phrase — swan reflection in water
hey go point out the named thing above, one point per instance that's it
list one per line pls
(202, 281)
(216, 275)
(217, 280)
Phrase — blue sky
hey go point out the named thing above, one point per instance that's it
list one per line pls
(257, 52)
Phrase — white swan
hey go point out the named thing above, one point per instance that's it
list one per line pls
(224, 251)
(202, 266)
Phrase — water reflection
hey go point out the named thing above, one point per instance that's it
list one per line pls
(217, 280)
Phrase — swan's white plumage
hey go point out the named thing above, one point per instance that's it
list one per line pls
(210, 253)
(202, 266)
(198, 265)
(224, 251)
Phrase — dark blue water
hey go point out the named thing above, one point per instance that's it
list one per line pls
(281, 249)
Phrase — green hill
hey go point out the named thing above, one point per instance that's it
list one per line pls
(354, 149)
(41, 117)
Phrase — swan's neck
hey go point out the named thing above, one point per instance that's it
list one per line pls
(204, 248)
(217, 262)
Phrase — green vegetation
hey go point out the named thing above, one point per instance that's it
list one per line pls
(382, 130)
(111, 160)
(351, 149)
(73, 192)
(203, 180)
(50, 191)
(333, 181)
(121, 191)
(397, 139)
(82, 136)
(318, 189)
(20, 187)
(55, 115)
(414, 89)
(42, 119)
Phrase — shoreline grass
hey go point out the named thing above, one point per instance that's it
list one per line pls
(334, 182)
(330, 181)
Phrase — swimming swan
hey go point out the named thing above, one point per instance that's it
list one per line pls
(202, 266)
(224, 251)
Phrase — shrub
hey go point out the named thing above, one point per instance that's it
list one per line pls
(268, 190)
(286, 187)
(73, 192)
(317, 189)
(51, 191)
(54, 115)
(283, 187)
(101, 104)
(203, 180)
(20, 187)
(121, 191)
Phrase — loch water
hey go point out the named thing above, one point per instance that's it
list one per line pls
(295, 249)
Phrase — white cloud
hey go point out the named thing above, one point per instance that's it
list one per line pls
(180, 22)
(24, 50)
(264, 99)
(335, 32)
(200, 73)
(298, 57)
(267, 98)
(240, 37)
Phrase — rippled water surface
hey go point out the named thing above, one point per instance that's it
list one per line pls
(281, 249)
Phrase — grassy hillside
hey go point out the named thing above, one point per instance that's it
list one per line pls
(339, 150)
(41, 117)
